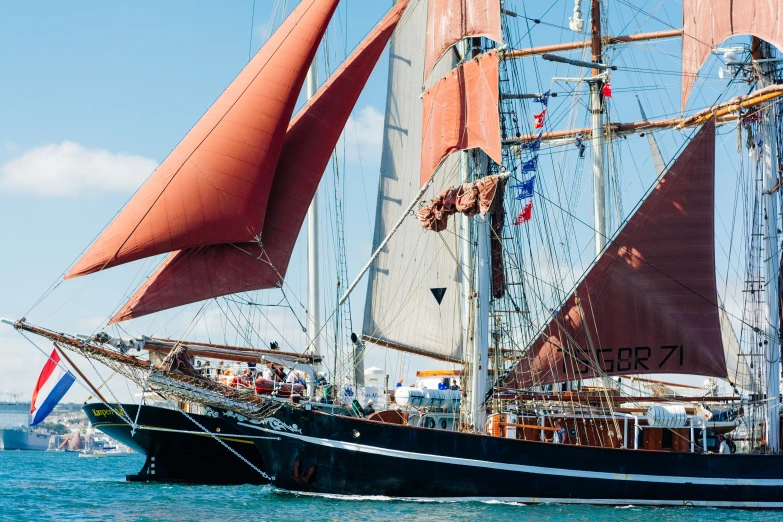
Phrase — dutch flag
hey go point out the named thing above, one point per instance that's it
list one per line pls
(43, 403)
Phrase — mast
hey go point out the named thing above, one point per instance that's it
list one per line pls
(313, 279)
(466, 261)
(768, 157)
(477, 293)
(597, 127)
(481, 323)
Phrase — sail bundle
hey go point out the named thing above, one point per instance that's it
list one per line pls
(649, 304)
(214, 186)
(706, 23)
(478, 197)
(196, 274)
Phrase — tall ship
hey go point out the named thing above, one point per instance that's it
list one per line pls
(617, 348)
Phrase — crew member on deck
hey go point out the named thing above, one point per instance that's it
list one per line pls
(247, 378)
(399, 382)
(369, 410)
(442, 385)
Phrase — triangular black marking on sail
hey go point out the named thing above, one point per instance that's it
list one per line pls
(438, 293)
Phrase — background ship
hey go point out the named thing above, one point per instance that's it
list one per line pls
(24, 439)
(14, 432)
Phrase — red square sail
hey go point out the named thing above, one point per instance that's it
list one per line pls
(196, 274)
(649, 304)
(214, 186)
(461, 112)
(450, 21)
(707, 23)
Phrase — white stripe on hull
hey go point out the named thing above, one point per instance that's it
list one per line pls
(522, 468)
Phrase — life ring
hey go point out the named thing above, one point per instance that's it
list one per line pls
(443, 424)
(430, 422)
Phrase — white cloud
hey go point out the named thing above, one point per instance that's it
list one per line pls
(69, 169)
(364, 136)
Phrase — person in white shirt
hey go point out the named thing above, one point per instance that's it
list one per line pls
(266, 373)
(291, 377)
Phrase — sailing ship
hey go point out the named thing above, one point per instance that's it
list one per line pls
(544, 414)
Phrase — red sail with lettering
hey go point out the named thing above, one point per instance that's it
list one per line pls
(707, 23)
(196, 274)
(650, 303)
(461, 112)
(214, 186)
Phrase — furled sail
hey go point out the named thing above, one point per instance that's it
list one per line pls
(706, 23)
(650, 303)
(214, 186)
(197, 274)
(414, 293)
(476, 197)
(461, 112)
(450, 21)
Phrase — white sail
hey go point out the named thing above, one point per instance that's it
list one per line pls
(737, 362)
(414, 290)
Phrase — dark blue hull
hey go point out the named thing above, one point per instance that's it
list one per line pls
(315, 452)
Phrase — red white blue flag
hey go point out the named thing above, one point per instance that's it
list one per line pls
(48, 391)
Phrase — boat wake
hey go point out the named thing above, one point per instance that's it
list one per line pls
(385, 498)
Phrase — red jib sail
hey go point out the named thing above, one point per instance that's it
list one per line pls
(451, 21)
(197, 274)
(649, 304)
(461, 112)
(213, 188)
(706, 23)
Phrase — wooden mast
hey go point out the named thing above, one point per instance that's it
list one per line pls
(728, 111)
(608, 40)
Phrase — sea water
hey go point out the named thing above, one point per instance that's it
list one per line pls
(40, 486)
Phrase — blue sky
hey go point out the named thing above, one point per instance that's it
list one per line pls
(95, 94)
